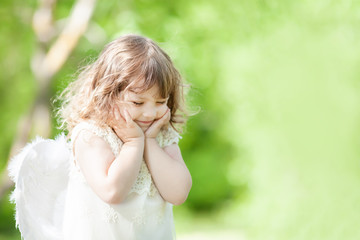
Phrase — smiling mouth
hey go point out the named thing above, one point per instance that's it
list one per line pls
(145, 122)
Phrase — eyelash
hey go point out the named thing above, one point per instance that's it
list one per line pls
(137, 103)
(140, 103)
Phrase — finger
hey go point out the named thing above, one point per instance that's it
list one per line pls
(161, 121)
(116, 113)
(119, 119)
(127, 116)
(154, 128)
(166, 112)
(166, 117)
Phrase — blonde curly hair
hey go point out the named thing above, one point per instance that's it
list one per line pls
(120, 66)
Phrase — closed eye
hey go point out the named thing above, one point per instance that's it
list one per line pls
(137, 103)
(161, 102)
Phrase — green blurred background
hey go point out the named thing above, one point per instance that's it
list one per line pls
(274, 151)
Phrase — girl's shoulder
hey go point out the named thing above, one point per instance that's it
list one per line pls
(167, 136)
(104, 132)
(90, 126)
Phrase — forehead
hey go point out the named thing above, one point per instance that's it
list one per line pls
(141, 92)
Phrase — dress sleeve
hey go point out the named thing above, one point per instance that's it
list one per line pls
(168, 136)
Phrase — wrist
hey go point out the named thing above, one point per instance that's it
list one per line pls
(151, 135)
(150, 138)
(150, 142)
(135, 141)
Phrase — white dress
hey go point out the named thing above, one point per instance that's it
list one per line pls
(54, 202)
(142, 215)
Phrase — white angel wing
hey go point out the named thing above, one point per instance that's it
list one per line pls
(40, 172)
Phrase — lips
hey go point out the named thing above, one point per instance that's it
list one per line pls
(145, 122)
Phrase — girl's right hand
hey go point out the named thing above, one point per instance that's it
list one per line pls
(125, 128)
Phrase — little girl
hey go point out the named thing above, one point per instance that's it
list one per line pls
(126, 170)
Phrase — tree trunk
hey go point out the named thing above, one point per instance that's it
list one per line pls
(44, 66)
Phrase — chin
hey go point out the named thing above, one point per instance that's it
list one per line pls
(144, 128)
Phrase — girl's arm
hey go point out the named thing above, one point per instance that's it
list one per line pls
(110, 177)
(169, 172)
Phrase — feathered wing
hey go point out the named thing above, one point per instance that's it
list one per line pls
(40, 172)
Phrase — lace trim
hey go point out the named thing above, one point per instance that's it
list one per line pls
(139, 219)
(168, 136)
(144, 182)
(160, 218)
(110, 215)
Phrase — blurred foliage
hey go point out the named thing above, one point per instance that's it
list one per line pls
(274, 148)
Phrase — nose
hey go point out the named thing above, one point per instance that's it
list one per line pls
(150, 113)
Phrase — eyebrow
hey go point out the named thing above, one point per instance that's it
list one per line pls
(138, 95)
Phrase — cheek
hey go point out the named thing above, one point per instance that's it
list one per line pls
(133, 111)
(161, 111)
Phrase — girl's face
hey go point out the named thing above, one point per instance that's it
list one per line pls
(145, 107)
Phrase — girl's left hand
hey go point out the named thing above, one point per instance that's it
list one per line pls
(154, 129)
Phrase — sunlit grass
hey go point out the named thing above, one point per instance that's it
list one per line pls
(205, 226)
